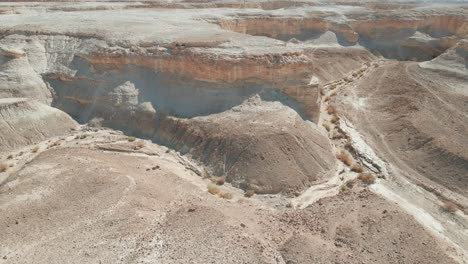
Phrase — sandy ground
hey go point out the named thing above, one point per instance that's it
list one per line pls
(102, 199)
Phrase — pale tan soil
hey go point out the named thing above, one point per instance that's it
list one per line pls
(77, 203)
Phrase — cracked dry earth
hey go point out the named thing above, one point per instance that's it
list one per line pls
(228, 132)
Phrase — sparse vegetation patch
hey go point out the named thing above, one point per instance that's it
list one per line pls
(3, 167)
(213, 189)
(366, 178)
(249, 193)
(449, 207)
(345, 157)
(357, 168)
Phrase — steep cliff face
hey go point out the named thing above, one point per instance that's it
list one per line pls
(25, 121)
(412, 37)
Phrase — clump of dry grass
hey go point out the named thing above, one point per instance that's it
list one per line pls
(326, 126)
(35, 149)
(351, 183)
(83, 136)
(366, 178)
(345, 157)
(348, 145)
(139, 145)
(338, 135)
(334, 119)
(331, 109)
(10, 157)
(218, 181)
(226, 195)
(449, 207)
(213, 189)
(206, 174)
(3, 167)
(131, 139)
(343, 187)
(357, 168)
(56, 143)
(249, 193)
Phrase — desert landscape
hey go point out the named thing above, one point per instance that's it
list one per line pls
(285, 132)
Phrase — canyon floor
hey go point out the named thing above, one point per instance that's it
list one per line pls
(233, 132)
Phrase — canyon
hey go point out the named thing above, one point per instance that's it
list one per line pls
(233, 132)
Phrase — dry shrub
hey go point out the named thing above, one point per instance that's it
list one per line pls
(35, 149)
(351, 183)
(449, 207)
(348, 145)
(10, 157)
(3, 167)
(334, 119)
(131, 139)
(220, 180)
(206, 174)
(337, 135)
(226, 195)
(56, 143)
(213, 189)
(343, 187)
(345, 157)
(83, 136)
(327, 99)
(20, 154)
(249, 193)
(326, 126)
(357, 168)
(366, 178)
(331, 109)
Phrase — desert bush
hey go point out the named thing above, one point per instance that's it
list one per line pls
(449, 207)
(343, 187)
(10, 157)
(213, 189)
(83, 136)
(20, 154)
(206, 174)
(366, 178)
(131, 139)
(348, 145)
(3, 167)
(249, 193)
(226, 195)
(337, 135)
(56, 143)
(35, 149)
(326, 126)
(345, 157)
(334, 119)
(331, 109)
(220, 180)
(351, 183)
(357, 168)
(168, 150)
